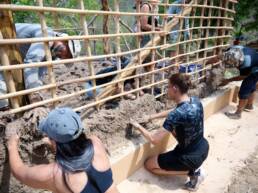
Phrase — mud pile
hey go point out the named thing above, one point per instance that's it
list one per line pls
(110, 124)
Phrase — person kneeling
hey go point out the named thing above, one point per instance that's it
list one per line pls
(185, 123)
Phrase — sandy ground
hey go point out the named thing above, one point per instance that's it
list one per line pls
(231, 165)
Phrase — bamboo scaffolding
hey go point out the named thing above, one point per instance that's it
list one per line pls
(60, 98)
(105, 75)
(223, 27)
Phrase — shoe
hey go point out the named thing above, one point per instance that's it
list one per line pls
(195, 180)
(233, 115)
(249, 108)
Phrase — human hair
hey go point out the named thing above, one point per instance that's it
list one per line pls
(82, 146)
(182, 81)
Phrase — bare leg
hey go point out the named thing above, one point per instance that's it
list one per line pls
(237, 115)
(152, 166)
(250, 102)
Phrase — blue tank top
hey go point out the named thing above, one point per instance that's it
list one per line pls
(98, 182)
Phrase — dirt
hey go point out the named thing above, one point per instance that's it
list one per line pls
(110, 124)
(245, 180)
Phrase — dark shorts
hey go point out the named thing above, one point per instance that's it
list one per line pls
(248, 86)
(175, 160)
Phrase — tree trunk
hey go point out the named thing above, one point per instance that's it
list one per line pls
(105, 7)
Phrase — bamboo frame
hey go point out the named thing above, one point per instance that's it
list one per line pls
(138, 54)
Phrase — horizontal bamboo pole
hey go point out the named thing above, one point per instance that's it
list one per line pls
(86, 58)
(95, 37)
(13, 7)
(197, 6)
(188, 41)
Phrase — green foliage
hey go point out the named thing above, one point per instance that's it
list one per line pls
(246, 18)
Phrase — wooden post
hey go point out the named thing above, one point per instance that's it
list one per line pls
(118, 48)
(138, 39)
(165, 20)
(87, 47)
(8, 75)
(47, 50)
(7, 29)
(105, 7)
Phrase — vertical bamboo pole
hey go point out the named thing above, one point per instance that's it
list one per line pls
(87, 46)
(165, 20)
(191, 32)
(179, 35)
(118, 48)
(8, 75)
(105, 7)
(47, 50)
(55, 16)
(207, 33)
(218, 31)
(153, 51)
(138, 39)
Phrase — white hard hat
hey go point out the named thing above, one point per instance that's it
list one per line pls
(74, 45)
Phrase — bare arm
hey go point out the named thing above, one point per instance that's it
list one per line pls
(37, 176)
(154, 138)
(144, 19)
(159, 115)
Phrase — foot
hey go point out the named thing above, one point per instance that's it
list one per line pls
(235, 115)
(249, 108)
(195, 180)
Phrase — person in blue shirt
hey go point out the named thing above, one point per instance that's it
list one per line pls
(246, 60)
(81, 163)
(185, 123)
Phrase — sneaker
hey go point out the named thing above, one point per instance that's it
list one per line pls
(195, 180)
(233, 115)
(249, 108)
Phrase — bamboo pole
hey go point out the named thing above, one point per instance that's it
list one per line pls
(105, 7)
(87, 47)
(92, 37)
(165, 21)
(118, 48)
(8, 75)
(86, 58)
(46, 48)
(90, 12)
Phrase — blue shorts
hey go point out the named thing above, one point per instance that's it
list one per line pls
(248, 86)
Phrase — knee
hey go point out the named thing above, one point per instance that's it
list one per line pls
(150, 163)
